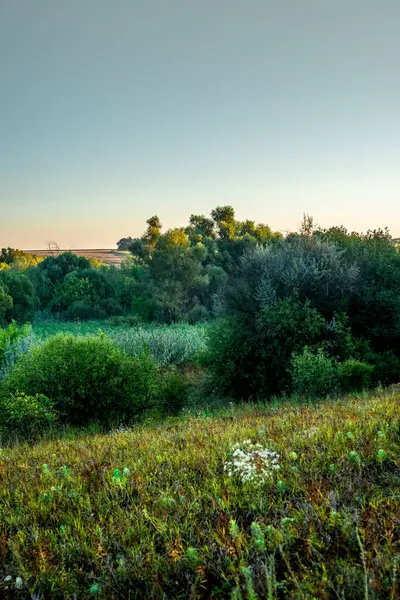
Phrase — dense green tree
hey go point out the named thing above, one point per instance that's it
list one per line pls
(124, 243)
(153, 231)
(51, 272)
(10, 255)
(374, 308)
(6, 304)
(21, 290)
(201, 226)
(86, 293)
(279, 299)
(17, 260)
(249, 354)
(177, 279)
(224, 218)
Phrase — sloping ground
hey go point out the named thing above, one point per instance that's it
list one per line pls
(153, 513)
(109, 257)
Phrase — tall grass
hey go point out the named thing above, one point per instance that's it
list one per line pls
(15, 345)
(152, 512)
(169, 344)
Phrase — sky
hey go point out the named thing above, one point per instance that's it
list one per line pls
(114, 110)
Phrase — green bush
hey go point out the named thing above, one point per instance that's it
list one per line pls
(26, 415)
(6, 303)
(198, 314)
(9, 336)
(19, 287)
(82, 311)
(386, 367)
(174, 392)
(313, 373)
(354, 375)
(249, 356)
(89, 378)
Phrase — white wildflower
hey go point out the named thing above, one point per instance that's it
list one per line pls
(310, 432)
(19, 584)
(252, 463)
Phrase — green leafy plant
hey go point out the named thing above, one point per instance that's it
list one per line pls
(88, 378)
(26, 415)
(174, 392)
(354, 375)
(313, 373)
(9, 337)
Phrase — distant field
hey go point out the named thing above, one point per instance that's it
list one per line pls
(110, 257)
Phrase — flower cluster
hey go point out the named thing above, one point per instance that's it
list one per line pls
(252, 463)
(310, 432)
(8, 583)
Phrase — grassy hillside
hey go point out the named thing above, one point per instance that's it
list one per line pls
(175, 511)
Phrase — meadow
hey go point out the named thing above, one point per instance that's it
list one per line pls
(272, 501)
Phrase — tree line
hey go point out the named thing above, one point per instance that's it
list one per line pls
(280, 307)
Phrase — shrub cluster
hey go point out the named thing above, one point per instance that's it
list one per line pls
(314, 314)
(87, 378)
(25, 415)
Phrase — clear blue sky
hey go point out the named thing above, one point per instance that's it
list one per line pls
(113, 110)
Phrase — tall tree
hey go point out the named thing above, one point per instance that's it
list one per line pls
(153, 231)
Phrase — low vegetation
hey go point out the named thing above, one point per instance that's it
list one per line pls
(262, 501)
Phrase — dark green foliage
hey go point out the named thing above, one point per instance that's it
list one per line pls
(140, 250)
(184, 268)
(277, 303)
(25, 415)
(126, 321)
(124, 243)
(57, 267)
(374, 309)
(81, 310)
(306, 291)
(85, 294)
(250, 359)
(314, 374)
(6, 303)
(51, 272)
(174, 392)
(177, 278)
(88, 378)
(201, 226)
(20, 289)
(42, 285)
(386, 367)
(354, 375)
